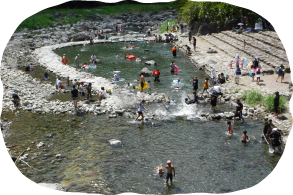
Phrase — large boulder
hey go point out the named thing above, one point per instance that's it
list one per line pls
(107, 30)
(151, 62)
(80, 37)
(147, 72)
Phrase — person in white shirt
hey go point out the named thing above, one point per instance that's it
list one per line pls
(217, 88)
(103, 94)
(213, 76)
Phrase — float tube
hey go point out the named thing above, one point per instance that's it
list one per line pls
(130, 57)
(132, 47)
(176, 68)
(145, 86)
(138, 60)
(116, 72)
(64, 60)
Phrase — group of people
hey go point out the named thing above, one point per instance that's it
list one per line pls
(79, 89)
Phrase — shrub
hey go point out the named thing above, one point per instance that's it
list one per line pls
(253, 97)
(269, 103)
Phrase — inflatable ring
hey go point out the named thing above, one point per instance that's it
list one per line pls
(145, 86)
(64, 60)
(176, 68)
(116, 72)
(138, 60)
(132, 47)
(131, 57)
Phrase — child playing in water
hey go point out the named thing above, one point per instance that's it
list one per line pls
(244, 137)
(160, 171)
(149, 87)
(230, 131)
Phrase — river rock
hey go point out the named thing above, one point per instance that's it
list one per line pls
(151, 62)
(115, 142)
(41, 144)
(54, 186)
(147, 72)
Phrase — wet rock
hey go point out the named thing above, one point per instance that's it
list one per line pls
(251, 110)
(151, 62)
(115, 142)
(147, 72)
(41, 144)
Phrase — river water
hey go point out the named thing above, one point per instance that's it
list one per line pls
(206, 159)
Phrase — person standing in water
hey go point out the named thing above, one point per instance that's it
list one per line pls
(239, 109)
(74, 96)
(230, 131)
(76, 62)
(172, 66)
(244, 137)
(46, 75)
(174, 51)
(213, 102)
(142, 81)
(170, 168)
(265, 132)
(157, 75)
(275, 139)
(140, 110)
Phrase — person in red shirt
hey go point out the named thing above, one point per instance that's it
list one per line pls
(157, 75)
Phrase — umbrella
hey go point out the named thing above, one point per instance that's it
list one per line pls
(240, 24)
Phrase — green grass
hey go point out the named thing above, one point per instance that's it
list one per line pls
(163, 28)
(236, 90)
(253, 97)
(269, 103)
(44, 18)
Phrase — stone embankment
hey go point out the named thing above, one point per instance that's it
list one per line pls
(27, 46)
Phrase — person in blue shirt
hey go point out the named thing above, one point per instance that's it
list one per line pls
(280, 73)
(238, 73)
(46, 75)
(140, 110)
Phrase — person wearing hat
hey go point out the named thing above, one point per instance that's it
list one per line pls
(76, 61)
(15, 99)
(275, 139)
(64, 56)
(265, 133)
(206, 85)
(276, 104)
(170, 168)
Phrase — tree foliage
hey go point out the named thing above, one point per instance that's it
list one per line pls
(214, 11)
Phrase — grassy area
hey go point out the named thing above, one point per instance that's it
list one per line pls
(44, 18)
(255, 98)
(163, 28)
(269, 103)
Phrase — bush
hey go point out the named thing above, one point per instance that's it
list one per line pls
(253, 97)
(269, 103)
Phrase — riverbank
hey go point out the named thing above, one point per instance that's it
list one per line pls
(219, 62)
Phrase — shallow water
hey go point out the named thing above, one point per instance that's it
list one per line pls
(206, 159)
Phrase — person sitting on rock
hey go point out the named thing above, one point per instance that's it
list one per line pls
(15, 99)
(103, 94)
